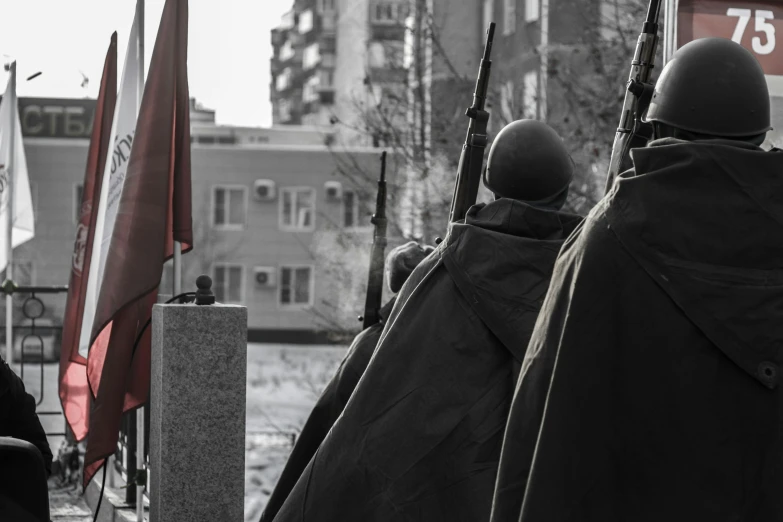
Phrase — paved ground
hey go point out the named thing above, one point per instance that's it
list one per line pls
(67, 505)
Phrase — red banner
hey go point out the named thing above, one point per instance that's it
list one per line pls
(757, 26)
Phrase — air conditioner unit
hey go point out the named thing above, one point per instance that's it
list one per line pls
(334, 190)
(264, 190)
(265, 276)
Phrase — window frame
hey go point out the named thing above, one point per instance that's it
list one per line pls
(290, 228)
(310, 60)
(309, 15)
(242, 277)
(213, 200)
(357, 212)
(532, 11)
(311, 289)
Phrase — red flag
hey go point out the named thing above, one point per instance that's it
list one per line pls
(154, 211)
(74, 392)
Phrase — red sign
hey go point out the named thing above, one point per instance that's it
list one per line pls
(757, 26)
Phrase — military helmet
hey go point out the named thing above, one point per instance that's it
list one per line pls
(528, 162)
(715, 87)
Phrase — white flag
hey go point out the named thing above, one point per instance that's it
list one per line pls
(122, 130)
(13, 167)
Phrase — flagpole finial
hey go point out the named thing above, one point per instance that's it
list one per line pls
(204, 295)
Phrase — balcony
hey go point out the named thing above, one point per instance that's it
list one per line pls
(387, 31)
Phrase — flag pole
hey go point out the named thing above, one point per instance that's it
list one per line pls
(140, 431)
(9, 233)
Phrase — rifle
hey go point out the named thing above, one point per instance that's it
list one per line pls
(633, 132)
(372, 303)
(472, 157)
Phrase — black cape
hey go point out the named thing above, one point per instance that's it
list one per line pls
(18, 418)
(651, 389)
(420, 437)
(326, 411)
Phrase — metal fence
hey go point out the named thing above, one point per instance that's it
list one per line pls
(37, 333)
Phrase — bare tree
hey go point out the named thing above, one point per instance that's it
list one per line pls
(585, 88)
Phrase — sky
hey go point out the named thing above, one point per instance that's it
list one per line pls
(228, 49)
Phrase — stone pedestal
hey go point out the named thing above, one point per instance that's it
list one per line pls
(197, 420)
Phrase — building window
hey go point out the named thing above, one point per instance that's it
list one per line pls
(387, 12)
(531, 10)
(325, 6)
(350, 209)
(78, 193)
(297, 208)
(283, 80)
(296, 286)
(284, 110)
(305, 22)
(227, 283)
(229, 207)
(377, 55)
(489, 12)
(394, 55)
(310, 56)
(286, 51)
(529, 102)
(509, 16)
(310, 90)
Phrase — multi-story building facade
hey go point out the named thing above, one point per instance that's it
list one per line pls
(260, 196)
(334, 58)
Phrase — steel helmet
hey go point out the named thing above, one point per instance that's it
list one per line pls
(528, 162)
(715, 87)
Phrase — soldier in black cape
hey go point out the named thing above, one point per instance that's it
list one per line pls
(18, 418)
(400, 262)
(420, 438)
(651, 388)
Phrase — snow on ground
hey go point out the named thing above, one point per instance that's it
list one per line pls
(283, 383)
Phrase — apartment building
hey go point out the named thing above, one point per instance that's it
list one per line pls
(334, 58)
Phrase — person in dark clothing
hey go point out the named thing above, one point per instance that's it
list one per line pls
(400, 262)
(17, 414)
(420, 438)
(651, 390)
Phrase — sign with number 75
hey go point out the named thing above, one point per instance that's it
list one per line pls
(754, 25)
